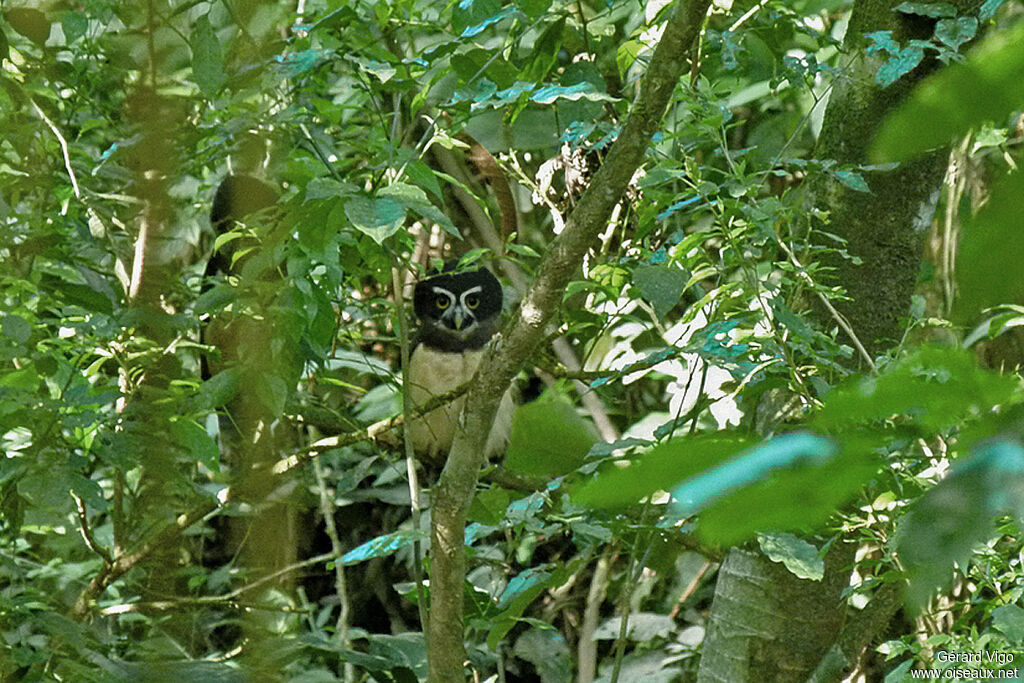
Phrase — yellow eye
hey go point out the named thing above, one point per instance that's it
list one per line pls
(442, 302)
(472, 301)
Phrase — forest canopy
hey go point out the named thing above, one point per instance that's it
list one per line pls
(760, 320)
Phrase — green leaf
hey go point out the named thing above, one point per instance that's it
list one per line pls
(471, 31)
(16, 328)
(927, 9)
(196, 443)
(991, 251)
(521, 590)
(642, 627)
(899, 674)
(956, 32)
(659, 469)
(424, 176)
(900, 64)
(29, 22)
(987, 87)
(799, 498)
(549, 438)
(989, 8)
(488, 506)
(547, 650)
(207, 60)
(415, 199)
(660, 286)
(626, 55)
(853, 180)
(75, 24)
(800, 557)
(1010, 620)
(578, 91)
(747, 467)
(381, 70)
(526, 583)
(326, 188)
(534, 9)
(544, 55)
(933, 388)
(378, 218)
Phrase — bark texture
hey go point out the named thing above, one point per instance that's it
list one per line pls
(761, 628)
(886, 227)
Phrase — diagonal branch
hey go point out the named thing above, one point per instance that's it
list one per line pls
(503, 360)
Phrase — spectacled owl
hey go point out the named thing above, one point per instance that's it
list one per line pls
(458, 314)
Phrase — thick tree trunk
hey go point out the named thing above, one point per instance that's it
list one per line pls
(761, 628)
(766, 624)
(886, 227)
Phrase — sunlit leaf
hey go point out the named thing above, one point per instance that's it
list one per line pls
(800, 557)
(382, 546)
(379, 218)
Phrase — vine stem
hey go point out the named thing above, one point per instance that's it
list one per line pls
(340, 584)
(410, 454)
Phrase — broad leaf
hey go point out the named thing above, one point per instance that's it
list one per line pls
(549, 438)
(207, 60)
(379, 218)
(800, 557)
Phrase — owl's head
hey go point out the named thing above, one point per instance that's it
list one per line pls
(458, 309)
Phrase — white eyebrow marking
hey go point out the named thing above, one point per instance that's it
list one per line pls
(471, 290)
(442, 290)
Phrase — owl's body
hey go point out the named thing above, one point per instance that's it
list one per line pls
(433, 372)
(458, 314)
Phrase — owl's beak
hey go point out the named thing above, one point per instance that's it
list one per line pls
(460, 317)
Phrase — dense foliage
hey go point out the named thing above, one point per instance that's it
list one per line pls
(176, 504)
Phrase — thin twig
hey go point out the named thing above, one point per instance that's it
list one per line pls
(586, 649)
(63, 147)
(836, 315)
(83, 525)
(410, 454)
(340, 585)
(372, 432)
